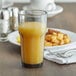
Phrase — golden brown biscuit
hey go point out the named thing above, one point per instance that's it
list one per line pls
(56, 38)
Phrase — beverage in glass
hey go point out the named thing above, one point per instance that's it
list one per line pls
(32, 28)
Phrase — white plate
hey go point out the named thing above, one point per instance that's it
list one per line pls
(12, 37)
(56, 11)
(52, 13)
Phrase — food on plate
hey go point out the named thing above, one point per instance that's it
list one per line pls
(18, 39)
(47, 43)
(54, 38)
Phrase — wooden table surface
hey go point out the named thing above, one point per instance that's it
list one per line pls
(10, 62)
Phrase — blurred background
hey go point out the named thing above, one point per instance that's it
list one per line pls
(21, 1)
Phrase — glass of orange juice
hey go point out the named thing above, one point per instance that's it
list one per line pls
(32, 27)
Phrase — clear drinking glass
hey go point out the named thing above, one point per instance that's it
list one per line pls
(4, 25)
(32, 27)
(4, 22)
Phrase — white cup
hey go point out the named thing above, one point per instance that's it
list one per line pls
(43, 4)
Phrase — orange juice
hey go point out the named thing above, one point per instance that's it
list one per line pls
(32, 42)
